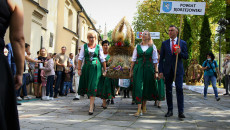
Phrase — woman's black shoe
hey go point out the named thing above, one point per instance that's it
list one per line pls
(104, 107)
(107, 102)
(90, 113)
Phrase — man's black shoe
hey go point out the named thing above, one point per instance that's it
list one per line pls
(76, 99)
(55, 95)
(226, 94)
(181, 115)
(169, 113)
(72, 92)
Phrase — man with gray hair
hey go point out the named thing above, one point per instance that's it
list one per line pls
(226, 69)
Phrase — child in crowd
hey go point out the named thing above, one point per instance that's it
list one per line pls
(49, 71)
(44, 80)
(67, 81)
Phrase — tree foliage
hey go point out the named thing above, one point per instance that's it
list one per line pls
(227, 33)
(205, 41)
(148, 17)
(187, 36)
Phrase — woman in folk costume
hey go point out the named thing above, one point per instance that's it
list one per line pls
(91, 71)
(105, 87)
(144, 69)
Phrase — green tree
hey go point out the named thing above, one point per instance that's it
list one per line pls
(109, 34)
(227, 33)
(205, 41)
(148, 17)
(187, 36)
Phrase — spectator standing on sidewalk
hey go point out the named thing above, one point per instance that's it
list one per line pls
(72, 66)
(226, 66)
(210, 68)
(25, 74)
(49, 70)
(77, 77)
(42, 57)
(36, 68)
(61, 62)
(43, 84)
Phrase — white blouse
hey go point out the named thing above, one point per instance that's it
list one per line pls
(144, 48)
(105, 55)
(82, 53)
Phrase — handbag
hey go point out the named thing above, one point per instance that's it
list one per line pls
(29, 78)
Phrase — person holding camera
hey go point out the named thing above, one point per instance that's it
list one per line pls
(210, 68)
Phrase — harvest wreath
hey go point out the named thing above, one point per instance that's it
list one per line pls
(121, 51)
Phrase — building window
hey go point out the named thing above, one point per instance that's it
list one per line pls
(66, 17)
(70, 19)
(51, 40)
(83, 33)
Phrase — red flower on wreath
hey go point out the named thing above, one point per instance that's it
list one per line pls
(95, 90)
(109, 94)
(119, 44)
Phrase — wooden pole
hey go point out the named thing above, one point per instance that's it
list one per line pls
(181, 20)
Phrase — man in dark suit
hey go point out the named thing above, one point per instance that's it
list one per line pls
(167, 69)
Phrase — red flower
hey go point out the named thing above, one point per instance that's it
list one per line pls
(95, 90)
(174, 48)
(119, 44)
(109, 94)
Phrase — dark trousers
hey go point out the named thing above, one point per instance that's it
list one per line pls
(59, 82)
(23, 87)
(49, 85)
(71, 82)
(179, 91)
(227, 82)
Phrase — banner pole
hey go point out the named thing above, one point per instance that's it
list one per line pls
(181, 20)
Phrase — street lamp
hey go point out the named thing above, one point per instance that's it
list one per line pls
(221, 29)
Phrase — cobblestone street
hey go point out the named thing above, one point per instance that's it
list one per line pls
(64, 113)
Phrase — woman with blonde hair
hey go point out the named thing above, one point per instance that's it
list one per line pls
(144, 69)
(90, 73)
(43, 58)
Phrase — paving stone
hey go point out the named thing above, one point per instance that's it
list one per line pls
(64, 113)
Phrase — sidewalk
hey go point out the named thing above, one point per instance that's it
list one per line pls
(64, 113)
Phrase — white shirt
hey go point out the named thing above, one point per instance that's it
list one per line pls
(175, 40)
(71, 62)
(105, 55)
(27, 67)
(101, 54)
(144, 48)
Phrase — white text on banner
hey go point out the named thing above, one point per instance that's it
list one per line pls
(180, 7)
